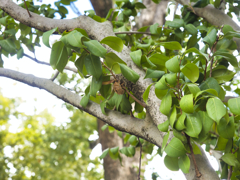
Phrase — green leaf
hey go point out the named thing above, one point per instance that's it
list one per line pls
(171, 163)
(226, 129)
(211, 37)
(173, 45)
(171, 79)
(129, 73)
(136, 57)
(165, 140)
(193, 125)
(104, 154)
(180, 122)
(159, 60)
(191, 29)
(173, 116)
(166, 104)
(133, 140)
(223, 75)
(113, 42)
(139, 5)
(8, 45)
(160, 93)
(59, 56)
(128, 151)
(20, 53)
(234, 105)
(191, 71)
(154, 74)
(194, 50)
(74, 39)
(146, 93)
(153, 28)
(184, 163)
(3, 20)
(176, 23)
(161, 84)
(215, 109)
(112, 61)
(194, 89)
(138, 108)
(84, 101)
(93, 65)
(125, 105)
(186, 103)
(95, 48)
(229, 57)
(207, 122)
(175, 148)
(114, 150)
(95, 85)
(145, 62)
(164, 126)
(102, 106)
(230, 159)
(46, 36)
(173, 64)
(79, 63)
(210, 83)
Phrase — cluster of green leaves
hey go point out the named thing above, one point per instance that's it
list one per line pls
(189, 80)
(11, 43)
(86, 54)
(32, 150)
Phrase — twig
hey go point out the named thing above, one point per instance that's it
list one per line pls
(133, 32)
(235, 150)
(55, 76)
(45, 63)
(198, 173)
(214, 45)
(109, 70)
(27, 9)
(138, 101)
(139, 173)
(229, 173)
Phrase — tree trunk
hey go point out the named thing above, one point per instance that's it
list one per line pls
(113, 168)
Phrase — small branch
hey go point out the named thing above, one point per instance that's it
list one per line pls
(45, 63)
(214, 45)
(229, 173)
(139, 171)
(104, 65)
(138, 101)
(133, 32)
(55, 76)
(235, 150)
(27, 9)
(198, 173)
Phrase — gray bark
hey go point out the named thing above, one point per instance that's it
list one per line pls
(146, 129)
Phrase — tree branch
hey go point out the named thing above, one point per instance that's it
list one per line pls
(45, 63)
(214, 16)
(96, 31)
(138, 127)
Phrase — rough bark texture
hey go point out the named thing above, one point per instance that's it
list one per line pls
(147, 128)
(154, 13)
(101, 7)
(113, 168)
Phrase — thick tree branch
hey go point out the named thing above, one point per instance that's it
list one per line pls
(142, 128)
(214, 16)
(96, 31)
